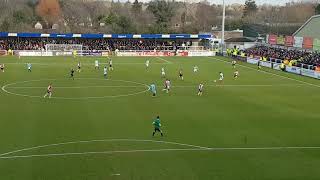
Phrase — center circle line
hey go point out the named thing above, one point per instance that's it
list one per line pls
(7, 86)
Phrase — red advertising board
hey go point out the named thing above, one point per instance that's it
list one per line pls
(3, 52)
(289, 41)
(167, 53)
(182, 53)
(307, 43)
(272, 39)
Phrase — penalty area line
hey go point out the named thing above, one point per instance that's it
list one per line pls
(265, 72)
(168, 62)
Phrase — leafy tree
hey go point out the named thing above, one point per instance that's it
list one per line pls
(119, 23)
(250, 8)
(101, 17)
(163, 11)
(111, 18)
(19, 17)
(124, 24)
(159, 28)
(136, 7)
(234, 24)
(317, 9)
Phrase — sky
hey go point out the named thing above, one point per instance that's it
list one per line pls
(260, 2)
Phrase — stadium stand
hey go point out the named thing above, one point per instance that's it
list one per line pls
(37, 41)
(298, 57)
(91, 44)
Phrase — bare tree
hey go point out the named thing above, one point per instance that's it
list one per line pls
(49, 10)
(207, 16)
(157, 16)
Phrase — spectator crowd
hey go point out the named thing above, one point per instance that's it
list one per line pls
(92, 44)
(299, 56)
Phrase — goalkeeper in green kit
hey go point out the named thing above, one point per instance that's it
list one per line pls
(156, 123)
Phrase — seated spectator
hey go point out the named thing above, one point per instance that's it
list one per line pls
(92, 44)
(297, 56)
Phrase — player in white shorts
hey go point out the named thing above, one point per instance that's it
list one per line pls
(96, 64)
(221, 77)
(79, 67)
(163, 73)
(195, 69)
(110, 65)
(181, 74)
(29, 66)
(200, 89)
(234, 63)
(105, 72)
(49, 91)
(147, 64)
(236, 74)
(167, 86)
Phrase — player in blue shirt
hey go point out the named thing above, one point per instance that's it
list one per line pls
(153, 89)
(29, 66)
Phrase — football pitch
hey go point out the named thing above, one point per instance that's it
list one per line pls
(264, 125)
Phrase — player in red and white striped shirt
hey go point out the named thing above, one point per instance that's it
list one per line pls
(167, 86)
(200, 89)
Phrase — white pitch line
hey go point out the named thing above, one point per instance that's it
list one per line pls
(79, 98)
(285, 77)
(102, 140)
(75, 87)
(161, 150)
(85, 64)
(168, 62)
(115, 174)
(178, 86)
(98, 152)
(241, 85)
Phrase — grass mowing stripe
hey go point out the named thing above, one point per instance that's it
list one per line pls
(97, 152)
(244, 85)
(177, 86)
(159, 150)
(277, 115)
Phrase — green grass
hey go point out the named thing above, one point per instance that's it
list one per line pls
(281, 112)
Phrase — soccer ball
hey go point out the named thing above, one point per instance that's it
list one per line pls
(215, 81)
